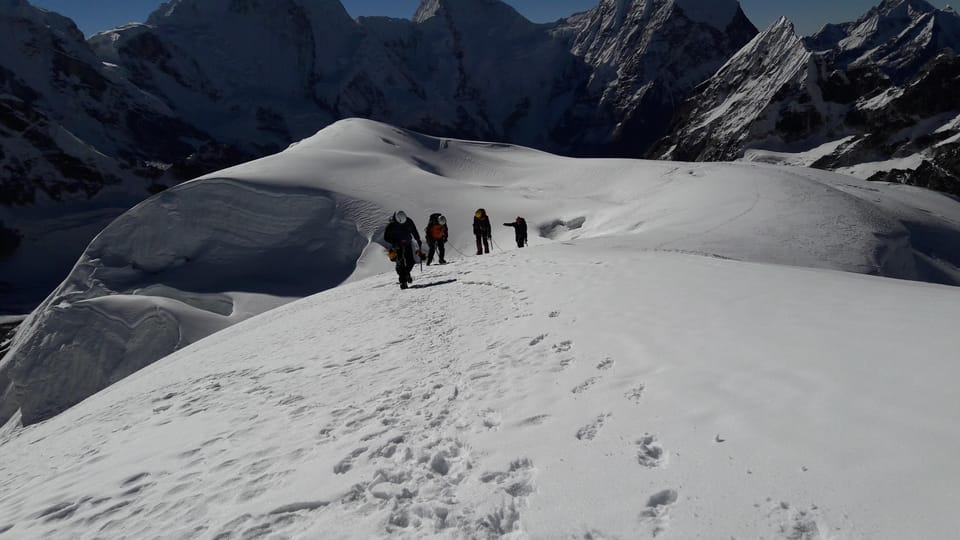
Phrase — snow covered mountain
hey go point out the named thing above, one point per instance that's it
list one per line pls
(202, 256)
(646, 56)
(768, 87)
(464, 68)
(79, 145)
(898, 36)
(875, 98)
(580, 388)
(206, 84)
(241, 70)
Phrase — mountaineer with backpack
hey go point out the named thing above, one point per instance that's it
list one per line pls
(520, 228)
(437, 235)
(400, 234)
(483, 231)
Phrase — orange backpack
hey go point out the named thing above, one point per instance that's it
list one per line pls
(436, 231)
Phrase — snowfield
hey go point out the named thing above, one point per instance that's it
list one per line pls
(577, 390)
(685, 350)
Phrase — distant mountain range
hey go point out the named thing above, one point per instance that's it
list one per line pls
(91, 127)
(877, 98)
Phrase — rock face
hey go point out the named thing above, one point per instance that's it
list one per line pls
(646, 56)
(876, 98)
(764, 91)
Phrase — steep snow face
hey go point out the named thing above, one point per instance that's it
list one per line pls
(582, 389)
(205, 254)
(744, 100)
(877, 92)
(491, 72)
(240, 70)
(648, 55)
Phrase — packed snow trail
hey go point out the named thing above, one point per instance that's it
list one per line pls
(572, 390)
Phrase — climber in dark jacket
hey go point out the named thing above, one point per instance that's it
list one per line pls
(520, 228)
(400, 234)
(483, 231)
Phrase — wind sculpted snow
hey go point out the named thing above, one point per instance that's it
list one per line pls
(582, 389)
(213, 252)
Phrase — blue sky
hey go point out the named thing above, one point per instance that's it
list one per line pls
(96, 15)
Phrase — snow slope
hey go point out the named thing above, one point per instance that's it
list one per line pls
(203, 255)
(582, 389)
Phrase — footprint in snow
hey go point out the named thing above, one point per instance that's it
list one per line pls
(605, 364)
(517, 480)
(635, 394)
(657, 511)
(589, 431)
(536, 341)
(649, 452)
(795, 523)
(585, 385)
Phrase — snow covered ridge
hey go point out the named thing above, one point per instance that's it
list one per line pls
(212, 252)
(576, 390)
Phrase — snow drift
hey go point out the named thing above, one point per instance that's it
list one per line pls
(215, 251)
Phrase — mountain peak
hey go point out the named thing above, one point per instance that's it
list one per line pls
(779, 44)
(782, 24)
(427, 9)
(903, 7)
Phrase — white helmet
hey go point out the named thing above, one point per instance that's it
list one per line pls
(401, 217)
(442, 220)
